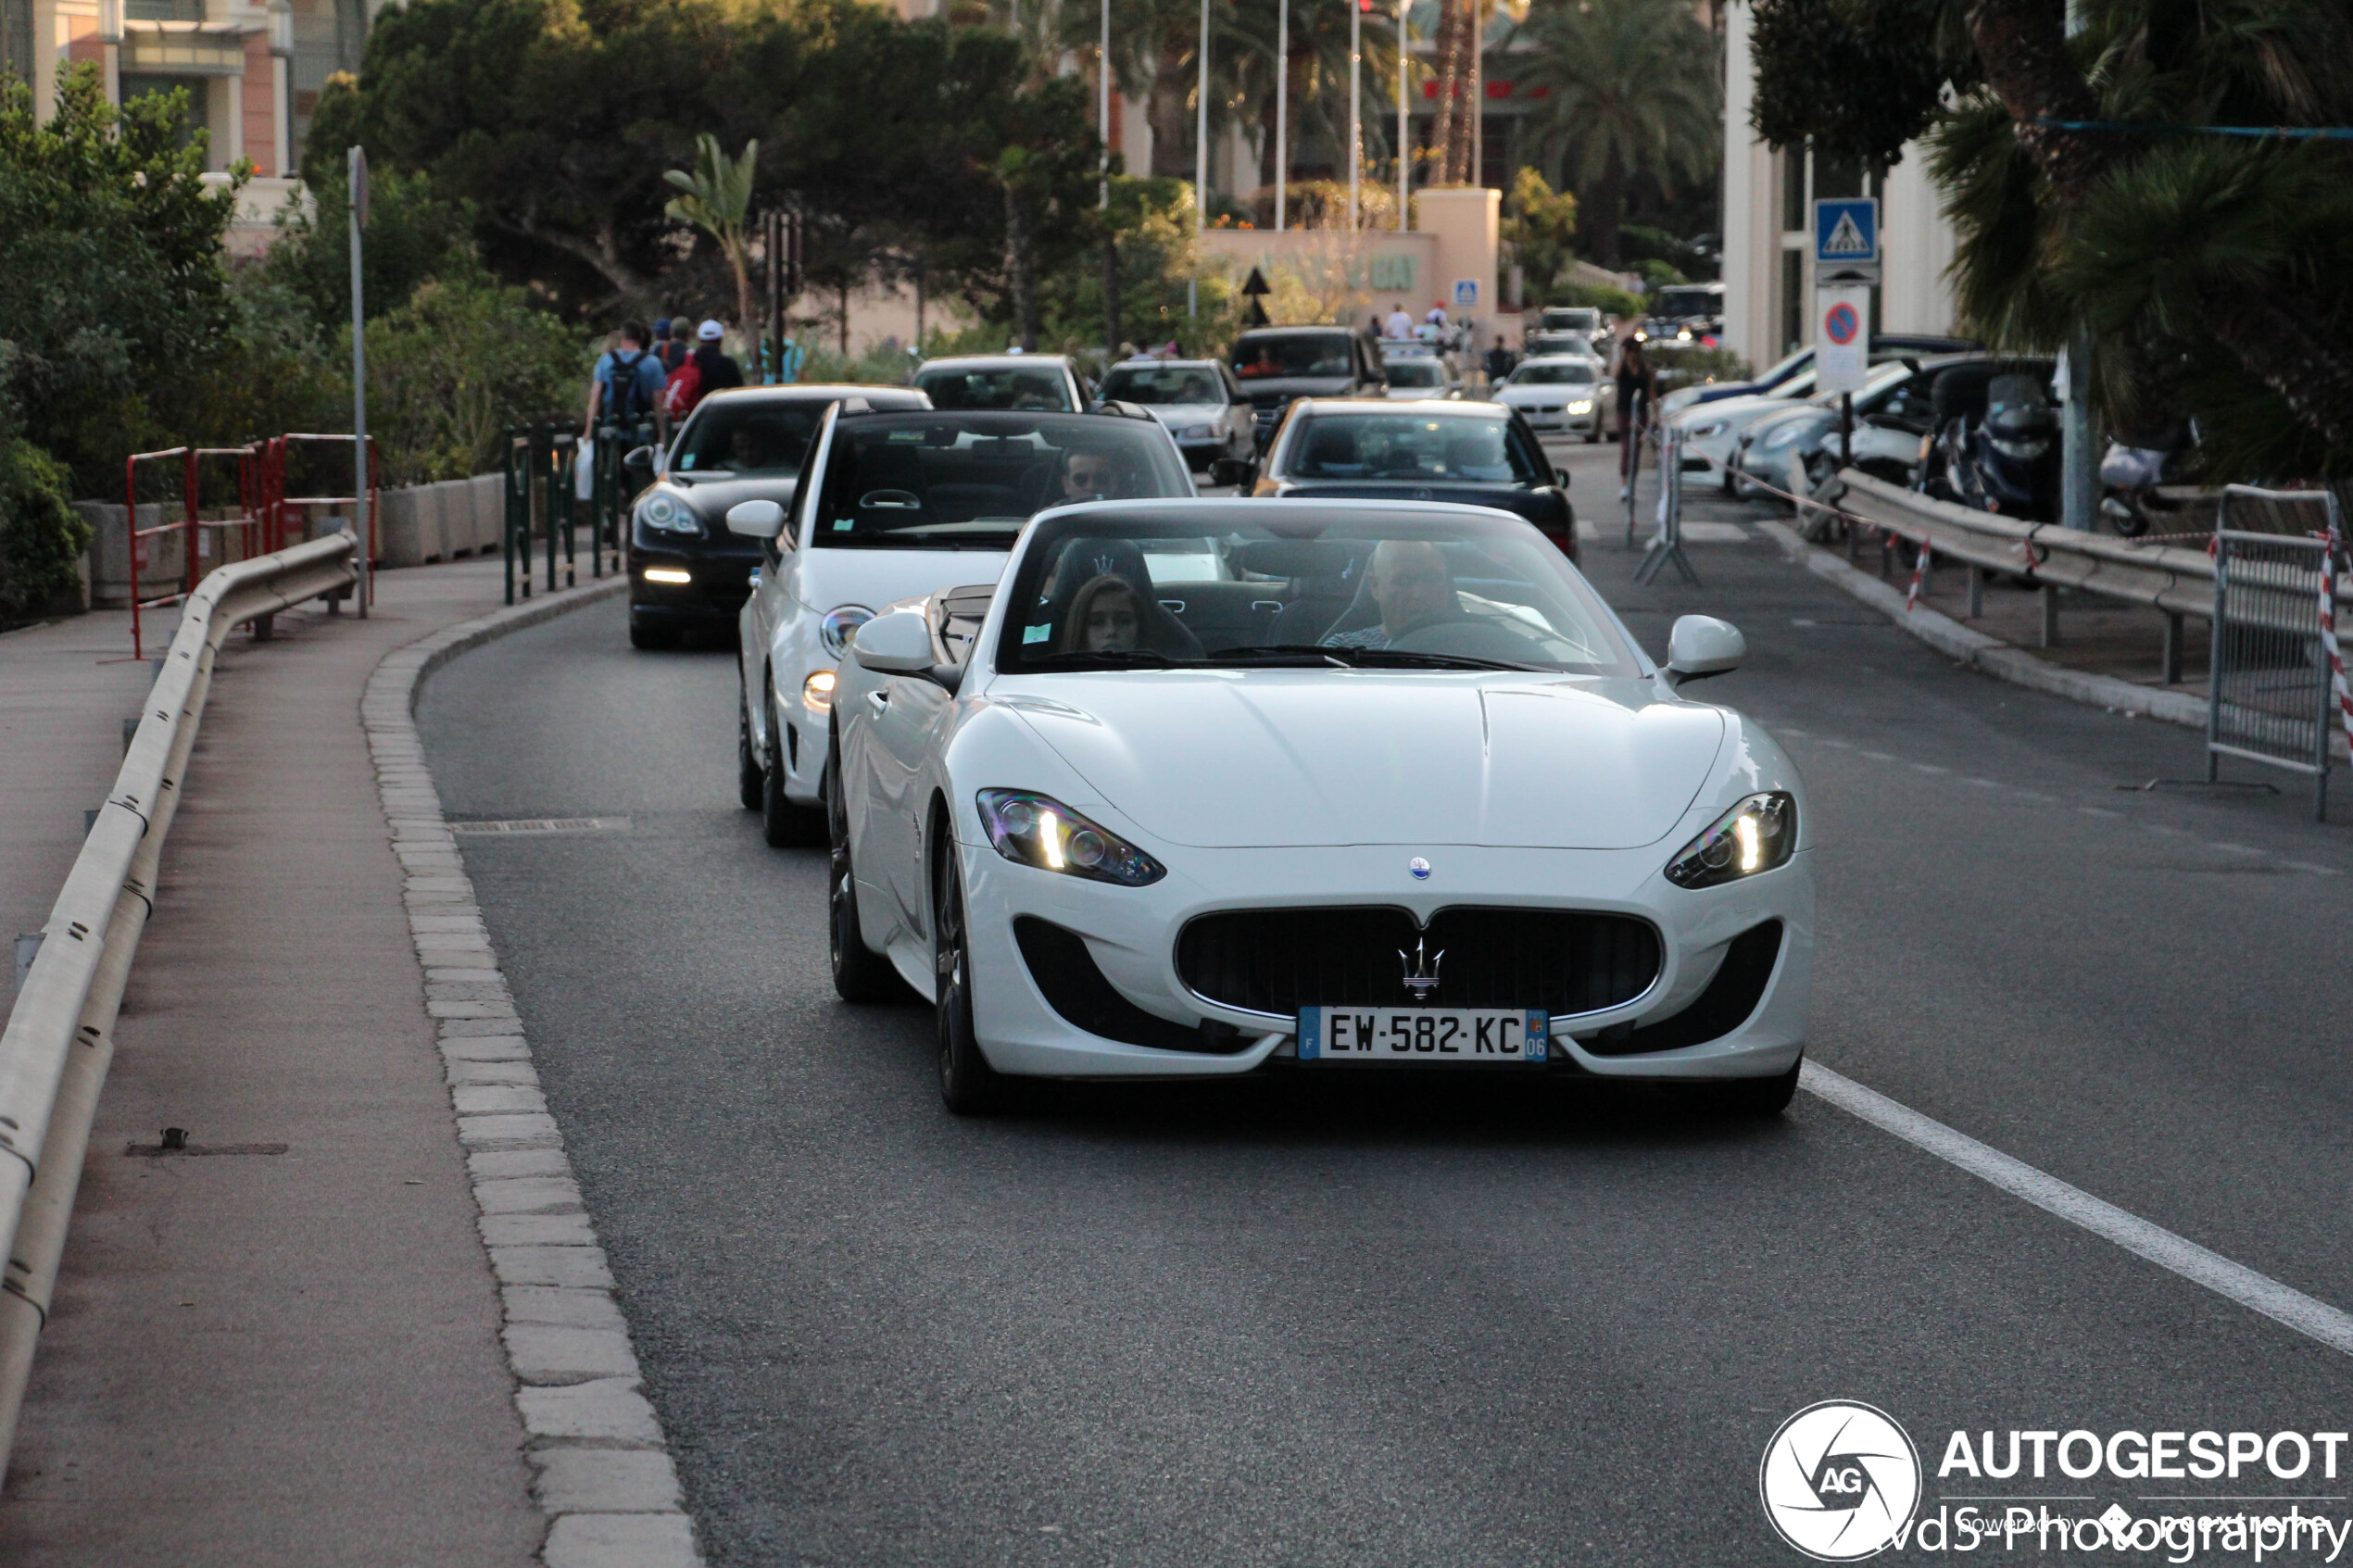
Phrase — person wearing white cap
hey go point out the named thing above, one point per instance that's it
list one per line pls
(707, 371)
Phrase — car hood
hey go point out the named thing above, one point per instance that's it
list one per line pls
(1539, 506)
(1733, 411)
(1174, 414)
(823, 579)
(1539, 391)
(1259, 758)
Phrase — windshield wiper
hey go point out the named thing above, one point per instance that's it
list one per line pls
(1379, 659)
(1285, 652)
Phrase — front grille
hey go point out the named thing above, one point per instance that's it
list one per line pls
(1566, 961)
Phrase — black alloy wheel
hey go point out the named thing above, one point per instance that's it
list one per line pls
(968, 1084)
(1758, 1096)
(861, 974)
(749, 775)
(781, 824)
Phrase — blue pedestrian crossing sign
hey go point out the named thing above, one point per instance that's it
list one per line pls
(1846, 232)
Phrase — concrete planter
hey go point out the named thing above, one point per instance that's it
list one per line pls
(163, 560)
(411, 530)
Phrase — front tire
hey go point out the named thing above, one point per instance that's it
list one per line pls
(749, 775)
(861, 974)
(967, 1083)
(781, 824)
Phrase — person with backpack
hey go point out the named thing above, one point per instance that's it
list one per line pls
(627, 386)
(710, 371)
(673, 344)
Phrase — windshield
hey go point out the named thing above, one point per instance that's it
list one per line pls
(1573, 319)
(1161, 384)
(1687, 302)
(1579, 374)
(920, 481)
(1039, 387)
(747, 437)
(1292, 354)
(1416, 372)
(1412, 447)
(1437, 590)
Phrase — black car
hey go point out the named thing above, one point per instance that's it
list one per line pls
(1276, 365)
(686, 572)
(1480, 454)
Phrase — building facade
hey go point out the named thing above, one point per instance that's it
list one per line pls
(1769, 272)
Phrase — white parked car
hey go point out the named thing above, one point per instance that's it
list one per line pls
(1561, 394)
(888, 505)
(1436, 809)
(1198, 400)
(1711, 430)
(1030, 382)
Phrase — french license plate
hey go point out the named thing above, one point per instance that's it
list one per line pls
(1427, 1035)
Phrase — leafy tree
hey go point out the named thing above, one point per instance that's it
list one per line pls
(413, 235)
(1859, 81)
(1540, 225)
(449, 370)
(111, 287)
(1632, 87)
(717, 200)
(42, 536)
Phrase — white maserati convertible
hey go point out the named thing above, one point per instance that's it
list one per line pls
(1226, 787)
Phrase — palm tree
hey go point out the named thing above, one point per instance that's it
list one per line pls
(718, 201)
(1633, 89)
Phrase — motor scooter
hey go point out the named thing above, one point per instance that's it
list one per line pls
(2006, 462)
(2135, 465)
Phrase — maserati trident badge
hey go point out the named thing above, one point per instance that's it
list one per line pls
(1421, 968)
(1419, 867)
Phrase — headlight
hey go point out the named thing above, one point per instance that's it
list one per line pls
(1036, 830)
(839, 625)
(818, 692)
(1585, 407)
(663, 512)
(1776, 439)
(1197, 432)
(1701, 433)
(1755, 836)
(2022, 451)
(667, 575)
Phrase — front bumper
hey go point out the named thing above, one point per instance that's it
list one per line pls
(1131, 934)
(715, 593)
(1559, 420)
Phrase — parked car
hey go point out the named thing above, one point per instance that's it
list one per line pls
(1779, 448)
(1688, 312)
(686, 571)
(1892, 422)
(1582, 322)
(1476, 454)
(1030, 382)
(1710, 431)
(891, 504)
(1276, 365)
(1452, 818)
(1569, 394)
(1198, 400)
(1884, 346)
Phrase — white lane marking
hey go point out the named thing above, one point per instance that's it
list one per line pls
(2098, 812)
(1985, 783)
(2236, 848)
(1879, 757)
(2308, 866)
(2236, 1282)
(1928, 768)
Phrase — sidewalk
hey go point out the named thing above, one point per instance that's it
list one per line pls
(287, 1353)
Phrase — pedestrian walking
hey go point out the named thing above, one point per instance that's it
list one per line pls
(1637, 401)
(1400, 325)
(710, 370)
(627, 387)
(1499, 360)
(672, 344)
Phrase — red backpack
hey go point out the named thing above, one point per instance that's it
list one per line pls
(685, 388)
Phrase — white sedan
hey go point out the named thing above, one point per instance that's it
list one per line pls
(1438, 810)
(1711, 430)
(1566, 392)
(889, 504)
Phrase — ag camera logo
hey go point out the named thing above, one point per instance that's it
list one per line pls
(1839, 1481)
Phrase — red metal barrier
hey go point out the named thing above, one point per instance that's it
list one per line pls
(267, 521)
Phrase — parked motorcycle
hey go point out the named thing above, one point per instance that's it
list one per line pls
(2130, 475)
(2006, 461)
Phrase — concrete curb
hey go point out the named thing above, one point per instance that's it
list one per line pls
(603, 1473)
(1978, 651)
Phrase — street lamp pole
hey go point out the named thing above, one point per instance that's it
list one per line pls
(1102, 121)
(1282, 112)
(1404, 130)
(1355, 97)
(1201, 156)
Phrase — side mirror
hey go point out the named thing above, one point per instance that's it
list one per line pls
(1229, 470)
(897, 644)
(1560, 477)
(1701, 645)
(638, 457)
(756, 519)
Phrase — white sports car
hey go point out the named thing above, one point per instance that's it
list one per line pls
(1426, 804)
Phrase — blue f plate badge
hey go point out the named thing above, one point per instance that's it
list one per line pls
(1427, 1036)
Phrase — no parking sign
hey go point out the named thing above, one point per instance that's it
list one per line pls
(1842, 338)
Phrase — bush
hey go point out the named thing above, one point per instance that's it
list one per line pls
(449, 371)
(1617, 302)
(41, 535)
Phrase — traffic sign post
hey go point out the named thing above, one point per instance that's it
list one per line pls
(1847, 239)
(1842, 337)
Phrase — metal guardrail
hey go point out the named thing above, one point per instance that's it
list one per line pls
(2271, 696)
(59, 1039)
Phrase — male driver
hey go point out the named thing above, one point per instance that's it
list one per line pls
(1400, 324)
(1410, 582)
(1091, 476)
